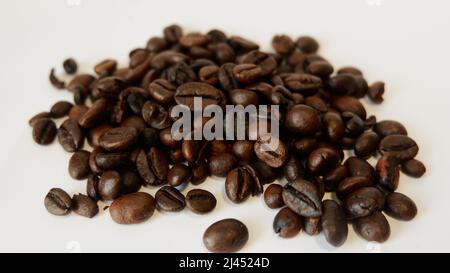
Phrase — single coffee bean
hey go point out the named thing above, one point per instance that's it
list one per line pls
(60, 109)
(186, 93)
(209, 74)
(400, 147)
(92, 187)
(94, 115)
(131, 181)
(265, 61)
(239, 185)
(83, 81)
(322, 160)
(334, 126)
(110, 185)
(273, 196)
(303, 198)
(366, 144)
(220, 165)
(157, 44)
(386, 128)
(108, 87)
(70, 66)
(360, 167)
(104, 161)
(77, 112)
(351, 184)
(388, 173)
(200, 172)
(350, 70)
(376, 91)
(85, 206)
(400, 207)
(180, 73)
(266, 173)
(304, 146)
(307, 44)
(79, 168)
(178, 175)
(153, 167)
(119, 139)
(272, 151)
(172, 33)
(44, 131)
(37, 117)
(349, 104)
(283, 44)
(193, 39)
(287, 223)
(333, 177)
(166, 138)
(363, 202)
(311, 225)
(346, 84)
(294, 169)
(194, 150)
(162, 91)
(373, 228)
(105, 67)
(413, 168)
(169, 199)
(354, 127)
(243, 149)
(58, 202)
(243, 97)
(200, 201)
(322, 69)
(247, 73)
(334, 223)
(70, 136)
(226, 77)
(226, 236)
(370, 123)
(303, 83)
(303, 120)
(133, 208)
(57, 83)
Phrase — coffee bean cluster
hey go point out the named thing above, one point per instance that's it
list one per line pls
(326, 138)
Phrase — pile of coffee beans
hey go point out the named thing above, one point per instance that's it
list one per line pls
(326, 138)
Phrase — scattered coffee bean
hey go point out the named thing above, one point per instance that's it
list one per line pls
(363, 202)
(57, 83)
(334, 223)
(373, 228)
(413, 168)
(400, 206)
(287, 223)
(170, 199)
(200, 201)
(225, 236)
(58, 202)
(70, 66)
(110, 185)
(85, 206)
(273, 196)
(133, 208)
(79, 168)
(302, 197)
(400, 147)
(44, 131)
(70, 136)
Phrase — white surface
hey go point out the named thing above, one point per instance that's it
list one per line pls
(405, 43)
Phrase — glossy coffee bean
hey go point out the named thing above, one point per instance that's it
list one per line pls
(220, 165)
(70, 136)
(60, 109)
(303, 120)
(304, 146)
(79, 168)
(386, 128)
(363, 202)
(334, 126)
(105, 67)
(104, 161)
(247, 73)
(226, 77)
(334, 223)
(194, 150)
(323, 159)
(110, 185)
(209, 74)
(94, 115)
(360, 167)
(210, 95)
(400, 147)
(366, 144)
(303, 198)
(413, 168)
(388, 172)
(170, 199)
(199, 173)
(239, 185)
(243, 149)
(333, 177)
(226, 236)
(85, 206)
(44, 131)
(322, 69)
(178, 175)
(131, 181)
(400, 207)
(200, 201)
(350, 70)
(273, 152)
(303, 83)
(376, 91)
(273, 196)
(70, 66)
(373, 228)
(57, 83)
(354, 127)
(243, 97)
(294, 169)
(283, 44)
(77, 112)
(351, 184)
(37, 117)
(349, 104)
(307, 44)
(287, 223)
(58, 202)
(152, 167)
(133, 208)
(119, 139)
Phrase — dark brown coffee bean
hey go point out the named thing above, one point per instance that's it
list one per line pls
(386, 128)
(307, 44)
(334, 126)
(354, 127)
(153, 167)
(105, 67)
(180, 73)
(37, 117)
(155, 115)
(311, 225)
(131, 181)
(193, 39)
(347, 84)
(400, 147)
(359, 167)
(94, 115)
(242, 44)
(170, 199)
(57, 83)
(77, 112)
(283, 44)
(294, 169)
(226, 77)
(239, 185)
(364, 202)
(243, 149)
(322, 69)
(273, 152)
(280, 95)
(303, 120)
(194, 150)
(44, 131)
(209, 74)
(226, 236)
(104, 161)
(247, 73)
(199, 173)
(210, 95)
(351, 184)
(200, 201)
(304, 146)
(83, 81)
(133, 208)
(388, 172)
(110, 185)
(166, 138)
(350, 70)
(266, 173)
(400, 207)
(287, 223)
(413, 168)
(273, 196)
(92, 187)
(70, 66)
(333, 177)
(302, 197)
(79, 165)
(108, 87)
(376, 91)
(178, 175)
(58, 202)
(266, 62)
(334, 223)
(119, 139)
(221, 164)
(243, 97)
(60, 109)
(322, 160)
(70, 136)
(373, 228)
(349, 104)
(85, 206)
(302, 83)
(366, 144)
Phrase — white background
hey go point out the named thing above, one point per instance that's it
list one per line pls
(405, 43)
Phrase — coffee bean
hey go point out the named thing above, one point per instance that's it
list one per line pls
(169, 199)
(386, 128)
(110, 185)
(243, 149)
(413, 168)
(133, 208)
(373, 228)
(79, 168)
(400, 207)
(178, 175)
(209, 74)
(180, 73)
(360, 167)
(162, 91)
(273, 196)
(226, 236)
(77, 112)
(351, 184)
(334, 126)
(364, 202)
(400, 147)
(110, 161)
(57, 83)
(302, 197)
(60, 109)
(70, 66)
(241, 44)
(302, 83)
(347, 84)
(307, 44)
(388, 173)
(283, 44)
(37, 117)
(92, 187)
(58, 202)
(70, 136)
(311, 225)
(194, 150)
(334, 223)
(350, 70)
(153, 167)
(193, 39)
(200, 201)
(354, 127)
(210, 95)
(221, 164)
(322, 69)
(199, 173)
(303, 120)
(85, 206)
(94, 115)
(287, 223)
(105, 67)
(80, 81)
(226, 77)
(119, 139)
(304, 146)
(247, 73)
(273, 152)
(322, 160)
(239, 185)
(266, 173)
(333, 177)
(294, 169)
(243, 97)
(265, 61)
(131, 181)
(376, 91)
(366, 144)
(349, 104)
(155, 115)
(44, 131)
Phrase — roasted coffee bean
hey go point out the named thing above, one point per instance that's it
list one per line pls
(178, 175)
(354, 127)
(80, 95)
(135, 102)
(110, 161)
(388, 172)
(373, 228)
(170, 199)
(303, 120)
(413, 168)
(243, 97)
(311, 225)
(153, 167)
(349, 104)
(149, 137)
(334, 223)
(210, 95)
(273, 152)
(194, 150)
(366, 144)
(322, 69)
(226, 236)
(57, 83)
(333, 177)
(280, 95)
(108, 87)
(359, 167)
(283, 44)
(316, 102)
(243, 149)
(105, 67)
(400, 207)
(370, 123)
(172, 33)
(119, 139)
(85, 206)
(241, 44)
(193, 39)
(135, 122)
(200, 201)
(60, 109)
(80, 81)
(94, 115)
(345, 85)
(133, 208)
(304, 146)
(218, 147)
(180, 73)
(70, 66)
(44, 131)
(376, 91)
(70, 136)
(92, 187)
(386, 128)
(217, 36)
(334, 126)
(273, 196)
(156, 44)
(294, 169)
(303, 198)
(58, 202)
(322, 160)
(79, 168)
(131, 181)
(37, 117)
(351, 184)
(155, 115)
(209, 74)
(307, 44)
(350, 70)
(400, 147)
(302, 83)
(239, 185)
(110, 185)
(199, 173)
(221, 164)
(364, 202)
(166, 138)
(226, 77)
(266, 62)
(77, 112)
(267, 173)
(287, 223)
(247, 73)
